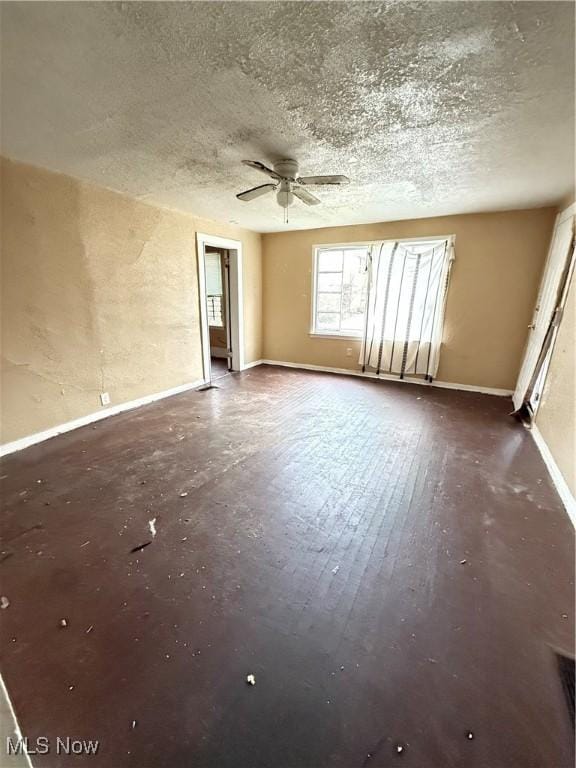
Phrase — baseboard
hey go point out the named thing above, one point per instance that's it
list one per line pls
(557, 477)
(11, 728)
(218, 352)
(389, 377)
(39, 437)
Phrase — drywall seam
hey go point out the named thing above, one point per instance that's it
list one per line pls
(556, 475)
(384, 376)
(15, 725)
(38, 437)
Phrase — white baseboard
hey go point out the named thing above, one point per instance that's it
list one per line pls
(557, 477)
(38, 437)
(11, 729)
(389, 377)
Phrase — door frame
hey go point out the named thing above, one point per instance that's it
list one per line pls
(236, 320)
(558, 266)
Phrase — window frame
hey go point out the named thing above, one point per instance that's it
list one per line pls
(345, 335)
(313, 333)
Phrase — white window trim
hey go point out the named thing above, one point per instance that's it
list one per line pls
(314, 333)
(347, 336)
(335, 336)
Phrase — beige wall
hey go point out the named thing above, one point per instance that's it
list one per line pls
(556, 416)
(499, 258)
(100, 294)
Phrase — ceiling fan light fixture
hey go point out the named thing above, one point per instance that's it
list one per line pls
(284, 196)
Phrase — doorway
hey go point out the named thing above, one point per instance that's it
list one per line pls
(217, 267)
(220, 292)
(547, 315)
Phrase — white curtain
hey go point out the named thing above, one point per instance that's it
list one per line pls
(407, 289)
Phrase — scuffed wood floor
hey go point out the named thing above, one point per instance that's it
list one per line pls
(390, 561)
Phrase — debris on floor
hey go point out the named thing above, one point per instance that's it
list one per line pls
(152, 526)
(463, 562)
(140, 546)
(251, 680)
(336, 569)
(184, 493)
(63, 623)
(399, 748)
(134, 724)
(4, 602)
(469, 735)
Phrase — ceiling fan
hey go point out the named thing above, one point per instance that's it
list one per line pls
(287, 184)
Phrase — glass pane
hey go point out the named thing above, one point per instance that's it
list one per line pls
(213, 274)
(353, 323)
(330, 261)
(327, 321)
(354, 289)
(329, 282)
(215, 311)
(328, 302)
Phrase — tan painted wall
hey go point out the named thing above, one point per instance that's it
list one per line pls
(499, 258)
(100, 293)
(556, 417)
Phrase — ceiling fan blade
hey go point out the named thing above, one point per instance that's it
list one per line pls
(305, 196)
(261, 167)
(252, 194)
(324, 180)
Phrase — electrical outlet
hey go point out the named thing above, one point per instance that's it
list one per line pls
(105, 398)
(349, 352)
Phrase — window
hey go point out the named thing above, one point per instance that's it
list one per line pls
(214, 289)
(408, 289)
(389, 294)
(340, 280)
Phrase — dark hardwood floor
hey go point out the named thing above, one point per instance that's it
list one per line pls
(391, 563)
(219, 367)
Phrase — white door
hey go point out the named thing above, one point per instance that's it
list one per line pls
(547, 299)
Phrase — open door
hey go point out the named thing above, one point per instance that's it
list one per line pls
(547, 312)
(220, 294)
(217, 265)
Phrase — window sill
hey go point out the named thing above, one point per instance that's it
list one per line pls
(334, 336)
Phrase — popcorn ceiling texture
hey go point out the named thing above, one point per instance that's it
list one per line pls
(430, 108)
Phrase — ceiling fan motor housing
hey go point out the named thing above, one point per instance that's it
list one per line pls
(288, 169)
(287, 184)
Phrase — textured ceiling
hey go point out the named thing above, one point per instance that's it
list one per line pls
(430, 108)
